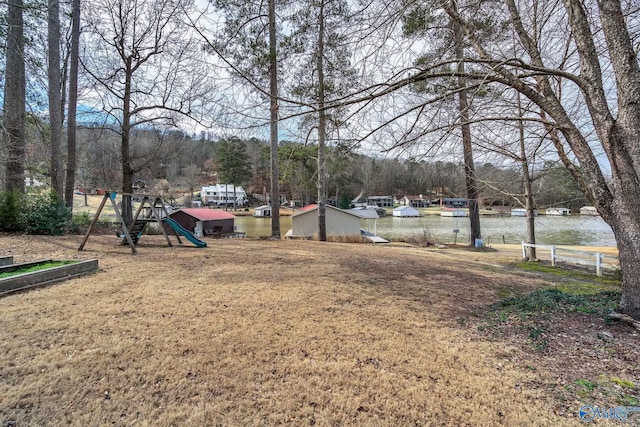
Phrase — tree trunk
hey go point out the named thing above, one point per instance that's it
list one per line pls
(531, 213)
(617, 201)
(14, 99)
(528, 192)
(627, 232)
(617, 198)
(55, 101)
(127, 169)
(322, 185)
(73, 102)
(235, 200)
(467, 144)
(273, 83)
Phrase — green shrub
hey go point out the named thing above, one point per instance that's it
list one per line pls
(344, 202)
(43, 213)
(79, 223)
(82, 219)
(555, 300)
(9, 211)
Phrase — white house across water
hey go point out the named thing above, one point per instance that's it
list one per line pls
(406, 212)
(558, 211)
(263, 211)
(223, 195)
(522, 212)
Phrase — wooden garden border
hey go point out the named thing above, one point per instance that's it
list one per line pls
(47, 276)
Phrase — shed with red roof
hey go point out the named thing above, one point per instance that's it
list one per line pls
(205, 221)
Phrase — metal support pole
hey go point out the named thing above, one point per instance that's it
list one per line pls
(553, 256)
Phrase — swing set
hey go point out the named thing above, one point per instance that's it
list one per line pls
(155, 212)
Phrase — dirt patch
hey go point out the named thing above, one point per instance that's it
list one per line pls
(584, 357)
(251, 332)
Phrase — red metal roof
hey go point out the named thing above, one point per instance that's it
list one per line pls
(204, 214)
(308, 208)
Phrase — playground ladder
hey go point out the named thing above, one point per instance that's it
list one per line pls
(135, 232)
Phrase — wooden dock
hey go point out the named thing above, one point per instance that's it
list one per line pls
(372, 237)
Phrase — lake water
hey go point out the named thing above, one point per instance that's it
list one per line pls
(570, 230)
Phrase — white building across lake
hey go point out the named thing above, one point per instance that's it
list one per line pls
(456, 213)
(589, 211)
(406, 212)
(522, 212)
(263, 211)
(558, 211)
(223, 195)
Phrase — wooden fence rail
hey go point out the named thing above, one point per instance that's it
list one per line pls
(592, 259)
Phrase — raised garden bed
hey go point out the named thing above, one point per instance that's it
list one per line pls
(24, 267)
(44, 272)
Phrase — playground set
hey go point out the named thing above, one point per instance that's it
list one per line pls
(152, 209)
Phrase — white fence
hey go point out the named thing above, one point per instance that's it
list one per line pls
(592, 259)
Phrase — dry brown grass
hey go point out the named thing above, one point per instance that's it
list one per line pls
(258, 333)
(93, 202)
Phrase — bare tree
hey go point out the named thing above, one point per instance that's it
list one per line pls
(192, 173)
(580, 68)
(146, 70)
(617, 199)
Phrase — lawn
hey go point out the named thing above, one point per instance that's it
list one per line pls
(250, 332)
